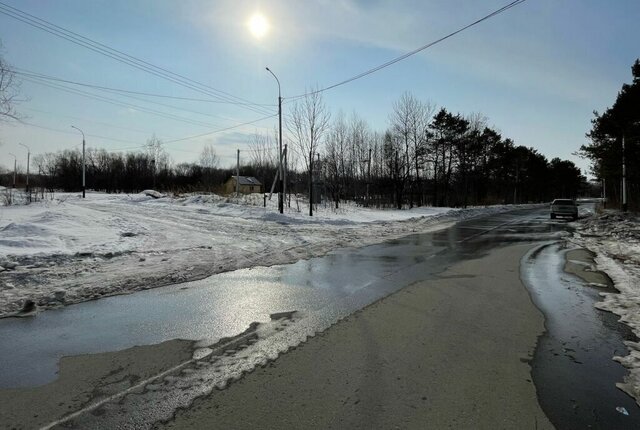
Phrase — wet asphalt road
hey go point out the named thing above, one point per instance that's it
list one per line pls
(226, 304)
(334, 286)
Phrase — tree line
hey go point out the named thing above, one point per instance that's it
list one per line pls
(426, 156)
(616, 128)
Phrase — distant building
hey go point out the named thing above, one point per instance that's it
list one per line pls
(248, 185)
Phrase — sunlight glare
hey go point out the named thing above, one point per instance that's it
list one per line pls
(258, 25)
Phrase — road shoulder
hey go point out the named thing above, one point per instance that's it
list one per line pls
(449, 352)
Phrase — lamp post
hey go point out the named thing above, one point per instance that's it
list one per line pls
(28, 157)
(83, 164)
(280, 169)
(15, 162)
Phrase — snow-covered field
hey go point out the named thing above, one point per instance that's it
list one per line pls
(70, 249)
(615, 239)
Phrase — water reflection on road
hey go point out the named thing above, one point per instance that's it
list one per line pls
(225, 304)
(573, 366)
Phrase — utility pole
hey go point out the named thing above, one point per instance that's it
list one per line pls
(368, 177)
(285, 176)
(281, 199)
(604, 193)
(15, 162)
(238, 175)
(396, 175)
(310, 183)
(368, 161)
(515, 188)
(28, 158)
(83, 162)
(280, 169)
(624, 178)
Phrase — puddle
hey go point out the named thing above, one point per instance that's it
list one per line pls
(573, 367)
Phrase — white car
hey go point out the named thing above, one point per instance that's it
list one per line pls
(565, 208)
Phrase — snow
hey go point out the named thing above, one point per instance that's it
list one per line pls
(153, 193)
(111, 244)
(615, 239)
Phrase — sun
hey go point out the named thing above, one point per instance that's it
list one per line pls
(258, 25)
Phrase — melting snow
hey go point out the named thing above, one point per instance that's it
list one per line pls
(111, 244)
(615, 238)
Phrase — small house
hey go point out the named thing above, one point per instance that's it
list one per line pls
(248, 185)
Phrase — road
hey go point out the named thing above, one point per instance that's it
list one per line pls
(106, 380)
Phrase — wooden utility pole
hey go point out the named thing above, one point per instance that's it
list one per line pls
(238, 175)
(310, 183)
(368, 177)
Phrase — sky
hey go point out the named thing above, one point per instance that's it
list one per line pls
(537, 71)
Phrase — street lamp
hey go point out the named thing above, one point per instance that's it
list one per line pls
(28, 157)
(15, 162)
(83, 164)
(280, 169)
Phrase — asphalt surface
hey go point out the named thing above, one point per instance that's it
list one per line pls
(224, 305)
(329, 288)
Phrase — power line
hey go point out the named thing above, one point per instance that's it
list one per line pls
(127, 148)
(118, 103)
(111, 125)
(134, 106)
(146, 145)
(410, 53)
(29, 124)
(221, 130)
(57, 130)
(24, 72)
(122, 57)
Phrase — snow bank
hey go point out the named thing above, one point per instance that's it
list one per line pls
(10, 196)
(111, 244)
(615, 238)
(153, 193)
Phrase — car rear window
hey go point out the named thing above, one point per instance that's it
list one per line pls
(563, 202)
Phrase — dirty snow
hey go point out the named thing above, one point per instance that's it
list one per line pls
(615, 238)
(68, 249)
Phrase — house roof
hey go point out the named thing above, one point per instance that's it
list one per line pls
(248, 180)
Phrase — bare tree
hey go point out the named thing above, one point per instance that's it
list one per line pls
(308, 122)
(262, 151)
(335, 154)
(9, 90)
(155, 150)
(159, 157)
(358, 150)
(208, 157)
(403, 121)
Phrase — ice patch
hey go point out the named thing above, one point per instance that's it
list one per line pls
(212, 367)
